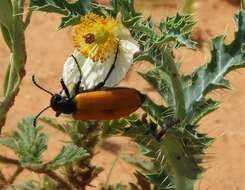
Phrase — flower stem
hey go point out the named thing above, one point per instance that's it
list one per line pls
(3, 181)
(243, 4)
(62, 182)
(49, 173)
(7, 160)
(106, 185)
(183, 167)
(15, 175)
(176, 84)
(187, 6)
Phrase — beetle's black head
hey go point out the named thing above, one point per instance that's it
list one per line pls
(62, 104)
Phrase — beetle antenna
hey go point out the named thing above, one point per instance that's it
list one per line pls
(37, 116)
(78, 66)
(37, 85)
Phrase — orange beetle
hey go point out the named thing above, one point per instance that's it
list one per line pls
(99, 103)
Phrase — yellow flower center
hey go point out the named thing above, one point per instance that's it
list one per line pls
(97, 37)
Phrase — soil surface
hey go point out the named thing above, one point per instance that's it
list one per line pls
(48, 48)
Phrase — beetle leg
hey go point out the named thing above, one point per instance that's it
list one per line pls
(78, 67)
(57, 114)
(65, 88)
(109, 73)
(101, 84)
(77, 87)
(160, 134)
(152, 128)
(144, 118)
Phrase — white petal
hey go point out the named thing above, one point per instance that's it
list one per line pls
(94, 73)
(70, 70)
(124, 60)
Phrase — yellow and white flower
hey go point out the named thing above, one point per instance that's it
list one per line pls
(96, 40)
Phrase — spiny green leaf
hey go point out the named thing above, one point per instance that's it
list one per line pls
(175, 30)
(142, 135)
(6, 80)
(83, 133)
(28, 185)
(46, 183)
(169, 155)
(161, 180)
(27, 143)
(161, 82)
(117, 186)
(6, 36)
(194, 142)
(53, 123)
(129, 15)
(142, 182)
(146, 37)
(112, 127)
(134, 187)
(6, 14)
(179, 28)
(71, 11)
(67, 155)
(158, 112)
(187, 6)
(112, 10)
(80, 132)
(224, 58)
(202, 108)
(141, 163)
(178, 159)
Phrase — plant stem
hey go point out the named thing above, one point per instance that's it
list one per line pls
(110, 172)
(187, 6)
(49, 173)
(28, 18)
(7, 160)
(15, 175)
(58, 179)
(3, 181)
(183, 167)
(177, 85)
(180, 182)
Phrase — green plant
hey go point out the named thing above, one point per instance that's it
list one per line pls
(12, 26)
(187, 6)
(167, 136)
(242, 4)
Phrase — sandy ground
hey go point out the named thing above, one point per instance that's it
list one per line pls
(48, 48)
